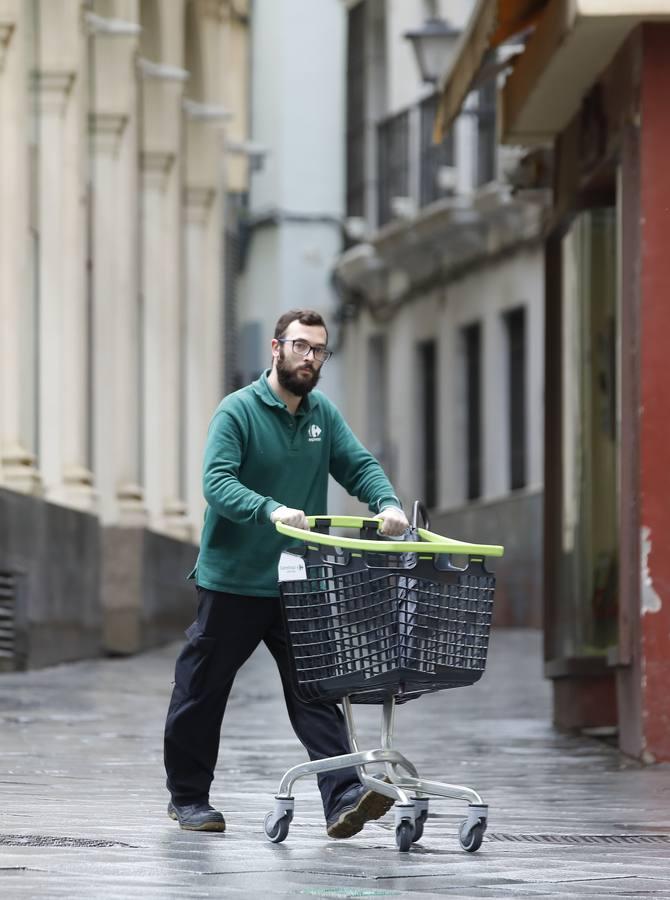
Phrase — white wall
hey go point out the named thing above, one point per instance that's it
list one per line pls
(298, 59)
(483, 296)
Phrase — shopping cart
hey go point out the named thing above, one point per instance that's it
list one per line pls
(379, 621)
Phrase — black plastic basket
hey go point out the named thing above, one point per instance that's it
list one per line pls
(366, 624)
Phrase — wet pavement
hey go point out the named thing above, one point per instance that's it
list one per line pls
(82, 797)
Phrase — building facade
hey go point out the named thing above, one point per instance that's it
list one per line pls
(589, 83)
(293, 227)
(441, 289)
(121, 128)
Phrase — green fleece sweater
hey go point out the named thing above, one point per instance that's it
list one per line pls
(258, 457)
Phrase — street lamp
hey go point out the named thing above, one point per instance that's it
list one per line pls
(434, 45)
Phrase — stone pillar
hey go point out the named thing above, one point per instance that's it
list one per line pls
(163, 428)
(203, 337)
(62, 300)
(204, 284)
(63, 316)
(162, 316)
(644, 619)
(116, 310)
(17, 327)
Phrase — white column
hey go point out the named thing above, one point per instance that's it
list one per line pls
(62, 329)
(162, 430)
(128, 481)
(115, 323)
(77, 478)
(116, 282)
(17, 341)
(203, 336)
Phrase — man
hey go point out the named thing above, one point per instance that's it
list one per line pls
(269, 451)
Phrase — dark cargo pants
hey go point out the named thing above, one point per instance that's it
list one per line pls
(227, 630)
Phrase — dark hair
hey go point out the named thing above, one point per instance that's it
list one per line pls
(304, 316)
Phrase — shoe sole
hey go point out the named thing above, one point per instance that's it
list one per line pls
(206, 826)
(371, 806)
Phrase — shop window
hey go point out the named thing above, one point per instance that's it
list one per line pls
(588, 574)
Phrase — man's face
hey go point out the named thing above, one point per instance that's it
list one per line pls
(298, 374)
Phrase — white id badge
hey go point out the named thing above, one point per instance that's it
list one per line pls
(291, 568)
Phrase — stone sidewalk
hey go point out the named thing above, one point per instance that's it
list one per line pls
(82, 800)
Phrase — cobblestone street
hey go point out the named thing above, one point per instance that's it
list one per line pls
(82, 797)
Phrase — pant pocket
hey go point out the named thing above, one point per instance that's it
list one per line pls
(194, 662)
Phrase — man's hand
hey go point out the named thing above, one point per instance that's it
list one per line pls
(288, 516)
(393, 521)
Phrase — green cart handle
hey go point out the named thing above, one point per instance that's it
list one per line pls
(430, 542)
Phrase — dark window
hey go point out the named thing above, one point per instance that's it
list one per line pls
(428, 421)
(516, 362)
(486, 133)
(377, 414)
(393, 163)
(433, 156)
(472, 341)
(356, 112)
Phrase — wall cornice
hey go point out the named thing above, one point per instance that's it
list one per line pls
(107, 129)
(53, 89)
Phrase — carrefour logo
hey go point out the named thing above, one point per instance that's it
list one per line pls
(314, 433)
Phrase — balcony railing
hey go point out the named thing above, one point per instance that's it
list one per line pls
(392, 164)
(486, 134)
(410, 166)
(434, 158)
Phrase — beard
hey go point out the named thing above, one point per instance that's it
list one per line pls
(291, 379)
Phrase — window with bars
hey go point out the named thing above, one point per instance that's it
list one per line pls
(356, 111)
(472, 346)
(486, 133)
(433, 156)
(392, 163)
(515, 322)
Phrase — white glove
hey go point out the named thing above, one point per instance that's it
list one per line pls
(393, 521)
(288, 516)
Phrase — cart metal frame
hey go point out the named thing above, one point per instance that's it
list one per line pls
(402, 782)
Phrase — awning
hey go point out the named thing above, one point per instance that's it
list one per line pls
(570, 44)
(492, 23)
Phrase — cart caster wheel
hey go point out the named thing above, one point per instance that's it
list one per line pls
(471, 838)
(278, 833)
(418, 827)
(404, 835)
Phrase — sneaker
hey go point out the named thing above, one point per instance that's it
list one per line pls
(355, 807)
(196, 816)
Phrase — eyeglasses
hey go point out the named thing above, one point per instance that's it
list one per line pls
(302, 348)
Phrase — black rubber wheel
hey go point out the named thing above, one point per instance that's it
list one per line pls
(404, 835)
(471, 839)
(418, 827)
(280, 830)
